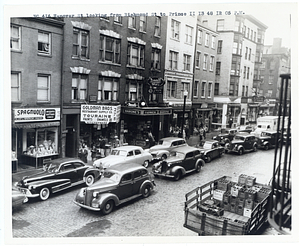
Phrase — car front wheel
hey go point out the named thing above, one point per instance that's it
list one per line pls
(241, 151)
(177, 175)
(208, 159)
(266, 147)
(44, 194)
(254, 148)
(108, 207)
(198, 168)
(146, 191)
(89, 180)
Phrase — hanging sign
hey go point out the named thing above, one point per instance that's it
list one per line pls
(100, 114)
(36, 114)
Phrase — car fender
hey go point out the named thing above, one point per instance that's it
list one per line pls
(103, 198)
(240, 147)
(160, 153)
(176, 168)
(50, 183)
(93, 170)
(146, 182)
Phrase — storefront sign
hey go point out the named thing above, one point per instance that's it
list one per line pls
(36, 114)
(156, 85)
(100, 114)
(143, 111)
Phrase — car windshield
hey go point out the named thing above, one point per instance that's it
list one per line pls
(111, 175)
(177, 154)
(52, 167)
(164, 143)
(207, 146)
(239, 138)
(265, 134)
(118, 152)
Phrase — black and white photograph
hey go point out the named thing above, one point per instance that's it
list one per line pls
(149, 123)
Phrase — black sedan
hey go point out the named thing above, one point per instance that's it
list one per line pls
(211, 150)
(59, 174)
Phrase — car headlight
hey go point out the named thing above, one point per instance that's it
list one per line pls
(95, 193)
(31, 187)
(235, 146)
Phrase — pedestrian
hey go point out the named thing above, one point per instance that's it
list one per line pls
(83, 153)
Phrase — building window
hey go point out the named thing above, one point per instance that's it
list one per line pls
(249, 54)
(196, 89)
(218, 68)
(254, 38)
(272, 64)
(43, 88)
(79, 86)
(246, 92)
(211, 63)
(171, 89)
(251, 34)
(216, 91)
(248, 72)
(203, 88)
(206, 39)
(110, 49)
(155, 58)
(235, 66)
(213, 42)
(108, 89)
(271, 79)
(44, 42)
(246, 53)
(220, 25)
(185, 87)
(135, 55)
(231, 89)
(15, 86)
(243, 90)
(220, 44)
(200, 36)
(209, 90)
(173, 60)
(244, 30)
(269, 94)
(133, 90)
(205, 58)
(248, 32)
(175, 27)
(244, 74)
(118, 19)
(197, 60)
(186, 62)
(143, 23)
(131, 22)
(80, 43)
(157, 27)
(15, 37)
(188, 34)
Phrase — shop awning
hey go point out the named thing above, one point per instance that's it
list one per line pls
(35, 125)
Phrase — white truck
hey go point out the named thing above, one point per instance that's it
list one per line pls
(265, 123)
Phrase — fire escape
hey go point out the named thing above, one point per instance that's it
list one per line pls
(280, 212)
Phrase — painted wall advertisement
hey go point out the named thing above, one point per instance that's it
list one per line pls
(100, 114)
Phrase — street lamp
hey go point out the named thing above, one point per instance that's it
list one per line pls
(185, 93)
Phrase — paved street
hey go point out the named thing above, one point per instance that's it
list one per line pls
(161, 214)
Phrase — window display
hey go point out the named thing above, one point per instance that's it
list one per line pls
(41, 142)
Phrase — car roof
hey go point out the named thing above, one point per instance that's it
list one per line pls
(171, 139)
(270, 131)
(185, 149)
(125, 168)
(244, 134)
(65, 159)
(128, 147)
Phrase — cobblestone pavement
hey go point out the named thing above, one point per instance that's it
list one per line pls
(161, 214)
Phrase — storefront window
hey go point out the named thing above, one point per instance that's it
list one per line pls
(41, 142)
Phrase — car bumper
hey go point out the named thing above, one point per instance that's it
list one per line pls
(86, 207)
(157, 173)
(27, 192)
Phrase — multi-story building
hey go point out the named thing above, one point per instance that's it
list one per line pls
(112, 79)
(205, 70)
(236, 51)
(275, 61)
(36, 58)
(178, 76)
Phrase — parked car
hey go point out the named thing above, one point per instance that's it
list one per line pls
(18, 198)
(225, 136)
(181, 161)
(162, 150)
(119, 183)
(242, 142)
(123, 155)
(267, 139)
(211, 149)
(59, 174)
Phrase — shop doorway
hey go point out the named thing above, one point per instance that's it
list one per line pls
(71, 136)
